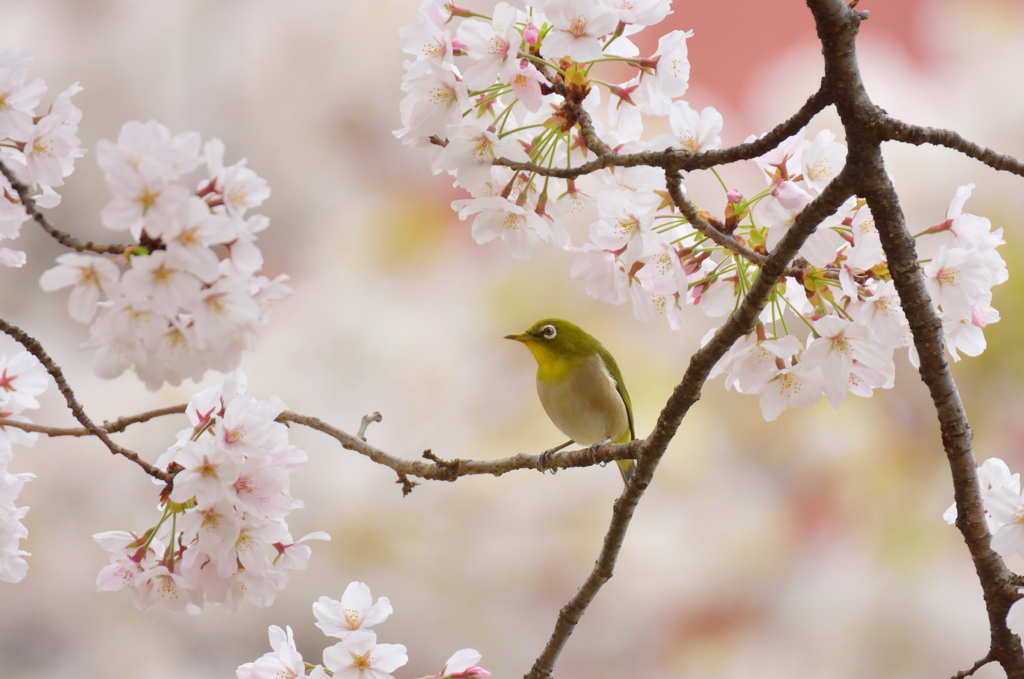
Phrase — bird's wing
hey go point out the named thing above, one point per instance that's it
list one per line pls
(620, 386)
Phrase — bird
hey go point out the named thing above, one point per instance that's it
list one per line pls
(580, 386)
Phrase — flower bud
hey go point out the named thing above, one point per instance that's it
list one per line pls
(733, 196)
(531, 34)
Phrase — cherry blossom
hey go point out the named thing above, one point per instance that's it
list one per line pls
(957, 279)
(463, 664)
(355, 611)
(284, 662)
(494, 47)
(578, 27)
(17, 99)
(695, 131)
(521, 230)
(13, 566)
(992, 473)
(359, 656)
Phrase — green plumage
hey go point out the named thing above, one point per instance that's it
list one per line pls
(580, 385)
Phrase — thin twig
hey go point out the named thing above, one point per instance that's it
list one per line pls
(437, 469)
(118, 425)
(367, 419)
(897, 130)
(977, 666)
(689, 210)
(672, 159)
(61, 237)
(36, 349)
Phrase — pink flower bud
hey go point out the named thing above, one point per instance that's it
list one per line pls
(733, 196)
(531, 34)
(976, 317)
(791, 196)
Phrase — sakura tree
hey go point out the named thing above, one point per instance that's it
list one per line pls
(812, 277)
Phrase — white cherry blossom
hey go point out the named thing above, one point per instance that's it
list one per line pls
(578, 27)
(355, 611)
(92, 277)
(359, 656)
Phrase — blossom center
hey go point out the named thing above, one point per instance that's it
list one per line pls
(578, 27)
(146, 198)
(5, 381)
(362, 662)
(352, 618)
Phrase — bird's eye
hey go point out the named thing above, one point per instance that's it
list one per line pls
(548, 331)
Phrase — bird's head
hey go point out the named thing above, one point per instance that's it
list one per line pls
(553, 338)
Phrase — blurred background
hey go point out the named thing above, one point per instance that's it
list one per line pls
(809, 547)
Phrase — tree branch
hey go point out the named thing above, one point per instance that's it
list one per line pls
(672, 159)
(977, 666)
(837, 27)
(436, 469)
(118, 425)
(36, 349)
(65, 239)
(897, 130)
(689, 210)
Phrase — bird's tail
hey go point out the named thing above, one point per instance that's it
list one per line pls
(626, 468)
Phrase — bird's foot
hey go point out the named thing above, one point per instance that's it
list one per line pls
(544, 459)
(593, 450)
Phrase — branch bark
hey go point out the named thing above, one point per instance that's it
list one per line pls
(897, 130)
(866, 126)
(36, 349)
(65, 239)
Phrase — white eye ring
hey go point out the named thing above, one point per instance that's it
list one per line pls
(548, 331)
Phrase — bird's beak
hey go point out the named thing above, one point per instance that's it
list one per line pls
(519, 337)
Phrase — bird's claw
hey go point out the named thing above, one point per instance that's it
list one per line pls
(544, 459)
(593, 450)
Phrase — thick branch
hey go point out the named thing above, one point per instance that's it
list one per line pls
(36, 349)
(65, 239)
(837, 27)
(653, 448)
(897, 130)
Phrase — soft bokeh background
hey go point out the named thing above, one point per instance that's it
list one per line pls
(809, 547)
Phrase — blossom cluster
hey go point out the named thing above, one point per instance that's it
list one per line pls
(845, 298)
(188, 296)
(222, 537)
(1003, 505)
(22, 378)
(38, 148)
(357, 655)
(499, 99)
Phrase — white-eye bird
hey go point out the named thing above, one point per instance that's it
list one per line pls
(580, 385)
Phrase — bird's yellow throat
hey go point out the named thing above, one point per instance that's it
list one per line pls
(550, 367)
